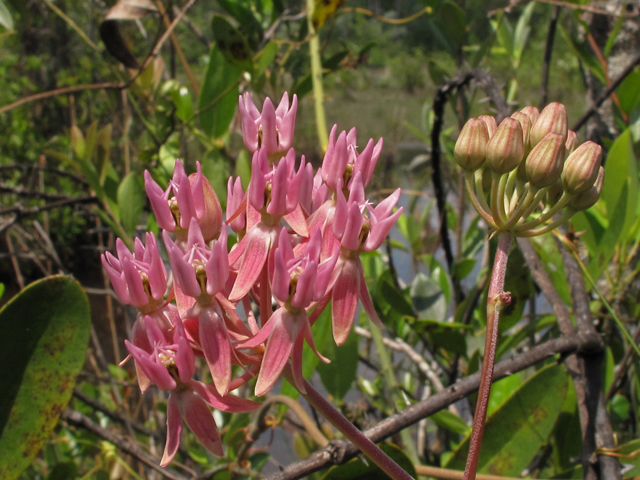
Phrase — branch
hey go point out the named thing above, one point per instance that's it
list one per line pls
(76, 419)
(109, 85)
(583, 119)
(340, 451)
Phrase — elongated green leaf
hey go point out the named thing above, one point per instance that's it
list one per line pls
(45, 332)
(356, 469)
(631, 456)
(521, 34)
(585, 56)
(131, 198)
(446, 419)
(217, 102)
(232, 43)
(516, 431)
(339, 375)
(6, 20)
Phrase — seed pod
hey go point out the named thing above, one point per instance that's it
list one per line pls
(553, 118)
(490, 122)
(588, 198)
(581, 168)
(506, 148)
(471, 147)
(533, 113)
(544, 163)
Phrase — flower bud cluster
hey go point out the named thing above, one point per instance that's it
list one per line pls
(299, 236)
(535, 166)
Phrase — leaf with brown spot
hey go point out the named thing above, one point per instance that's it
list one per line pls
(515, 432)
(45, 333)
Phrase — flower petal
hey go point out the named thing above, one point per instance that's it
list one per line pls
(174, 430)
(345, 295)
(197, 415)
(216, 346)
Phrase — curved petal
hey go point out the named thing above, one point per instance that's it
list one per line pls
(254, 259)
(174, 430)
(216, 347)
(346, 291)
(197, 415)
(276, 355)
(366, 299)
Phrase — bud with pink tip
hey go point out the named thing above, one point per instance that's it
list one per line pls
(506, 148)
(553, 118)
(525, 123)
(589, 197)
(490, 123)
(572, 142)
(532, 112)
(544, 164)
(471, 147)
(235, 201)
(581, 168)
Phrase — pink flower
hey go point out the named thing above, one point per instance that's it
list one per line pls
(170, 365)
(296, 283)
(236, 202)
(342, 160)
(139, 279)
(194, 197)
(357, 233)
(272, 129)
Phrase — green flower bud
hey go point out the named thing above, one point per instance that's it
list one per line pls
(506, 148)
(490, 122)
(544, 163)
(553, 118)
(588, 198)
(525, 123)
(572, 142)
(533, 113)
(471, 147)
(581, 168)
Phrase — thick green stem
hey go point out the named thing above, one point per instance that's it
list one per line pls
(497, 299)
(365, 445)
(316, 77)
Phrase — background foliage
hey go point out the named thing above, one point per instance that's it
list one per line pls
(71, 164)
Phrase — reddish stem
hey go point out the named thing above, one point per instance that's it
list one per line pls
(497, 299)
(366, 446)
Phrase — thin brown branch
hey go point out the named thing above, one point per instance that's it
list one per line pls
(594, 108)
(338, 452)
(21, 211)
(108, 85)
(76, 419)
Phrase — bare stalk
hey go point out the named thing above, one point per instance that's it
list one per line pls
(497, 299)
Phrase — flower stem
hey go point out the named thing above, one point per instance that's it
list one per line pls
(365, 445)
(497, 299)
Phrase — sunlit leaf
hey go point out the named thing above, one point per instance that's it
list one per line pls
(45, 335)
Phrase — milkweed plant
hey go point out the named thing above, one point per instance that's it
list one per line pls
(299, 234)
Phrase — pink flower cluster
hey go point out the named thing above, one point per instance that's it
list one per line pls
(299, 235)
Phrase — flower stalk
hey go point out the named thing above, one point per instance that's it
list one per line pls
(496, 301)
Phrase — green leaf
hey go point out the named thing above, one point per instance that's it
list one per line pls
(521, 34)
(232, 43)
(628, 92)
(5, 17)
(446, 419)
(516, 431)
(338, 376)
(428, 298)
(454, 22)
(131, 198)
(217, 102)
(631, 456)
(585, 55)
(216, 169)
(356, 469)
(45, 333)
